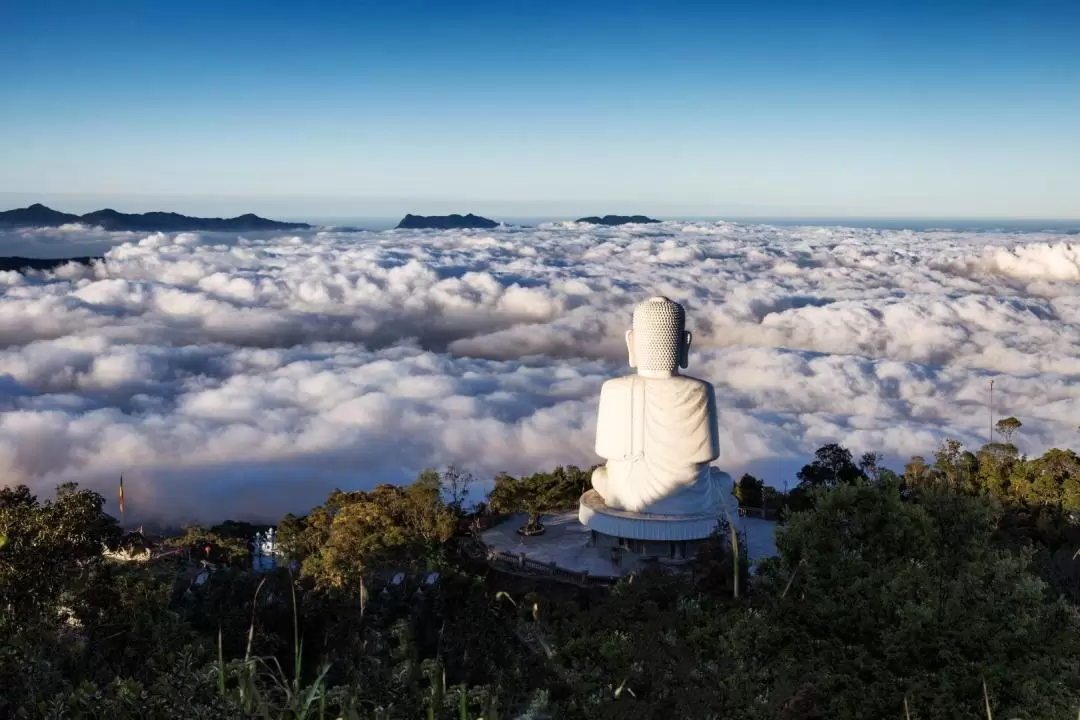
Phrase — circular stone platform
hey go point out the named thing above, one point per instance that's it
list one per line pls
(594, 514)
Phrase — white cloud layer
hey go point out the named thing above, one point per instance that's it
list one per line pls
(244, 377)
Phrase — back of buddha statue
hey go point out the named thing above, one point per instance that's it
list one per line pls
(670, 421)
(657, 429)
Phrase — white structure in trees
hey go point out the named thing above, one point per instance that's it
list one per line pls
(264, 552)
(657, 429)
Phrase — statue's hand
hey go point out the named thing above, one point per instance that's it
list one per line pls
(600, 482)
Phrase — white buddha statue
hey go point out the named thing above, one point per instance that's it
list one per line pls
(658, 429)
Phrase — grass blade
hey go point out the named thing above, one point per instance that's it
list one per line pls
(788, 587)
(251, 627)
(221, 664)
(734, 551)
(296, 630)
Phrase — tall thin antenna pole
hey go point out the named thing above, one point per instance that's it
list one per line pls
(991, 440)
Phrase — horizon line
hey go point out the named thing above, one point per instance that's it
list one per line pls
(734, 217)
(322, 206)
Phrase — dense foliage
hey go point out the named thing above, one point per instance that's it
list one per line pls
(355, 533)
(543, 492)
(940, 592)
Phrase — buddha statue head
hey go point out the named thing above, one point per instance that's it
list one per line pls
(658, 342)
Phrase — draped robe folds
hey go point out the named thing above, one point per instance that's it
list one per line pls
(658, 435)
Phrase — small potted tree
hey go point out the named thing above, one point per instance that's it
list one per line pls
(533, 506)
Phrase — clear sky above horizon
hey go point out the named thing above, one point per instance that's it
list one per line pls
(949, 109)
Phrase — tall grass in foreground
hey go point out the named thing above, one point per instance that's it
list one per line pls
(734, 551)
(292, 699)
(986, 704)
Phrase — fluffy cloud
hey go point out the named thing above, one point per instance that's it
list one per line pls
(245, 376)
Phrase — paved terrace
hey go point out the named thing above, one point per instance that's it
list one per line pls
(566, 543)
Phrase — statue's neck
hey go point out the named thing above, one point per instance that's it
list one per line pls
(657, 373)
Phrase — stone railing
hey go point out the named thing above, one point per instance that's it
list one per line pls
(519, 564)
(523, 566)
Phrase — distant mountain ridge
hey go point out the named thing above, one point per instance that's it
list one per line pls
(22, 264)
(38, 215)
(616, 219)
(445, 222)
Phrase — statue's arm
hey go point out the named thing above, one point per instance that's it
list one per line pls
(612, 421)
(708, 432)
(714, 424)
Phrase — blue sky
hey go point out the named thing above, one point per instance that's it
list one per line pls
(545, 108)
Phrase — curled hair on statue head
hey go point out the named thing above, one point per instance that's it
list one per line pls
(657, 343)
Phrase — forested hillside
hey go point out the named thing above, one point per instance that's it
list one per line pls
(949, 589)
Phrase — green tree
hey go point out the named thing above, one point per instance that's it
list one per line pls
(456, 484)
(870, 464)
(917, 473)
(50, 548)
(882, 599)
(996, 463)
(949, 462)
(1053, 478)
(774, 500)
(293, 538)
(507, 496)
(244, 531)
(357, 533)
(230, 547)
(544, 492)
(832, 466)
(750, 491)
(1007, 427)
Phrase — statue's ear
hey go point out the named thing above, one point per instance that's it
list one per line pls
(684, 356)
(630, 348)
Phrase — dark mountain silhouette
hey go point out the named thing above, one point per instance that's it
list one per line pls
(40, 216)
(446, 222)
(22, 264)
(617, 219)
(37, 215)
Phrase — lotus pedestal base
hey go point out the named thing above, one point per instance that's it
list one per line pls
(665, 538)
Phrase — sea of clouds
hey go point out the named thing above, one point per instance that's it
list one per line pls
(244, 377)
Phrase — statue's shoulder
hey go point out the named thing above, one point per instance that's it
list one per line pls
(692, 382)
(616, 387)
(678, 383)
(619, 382)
